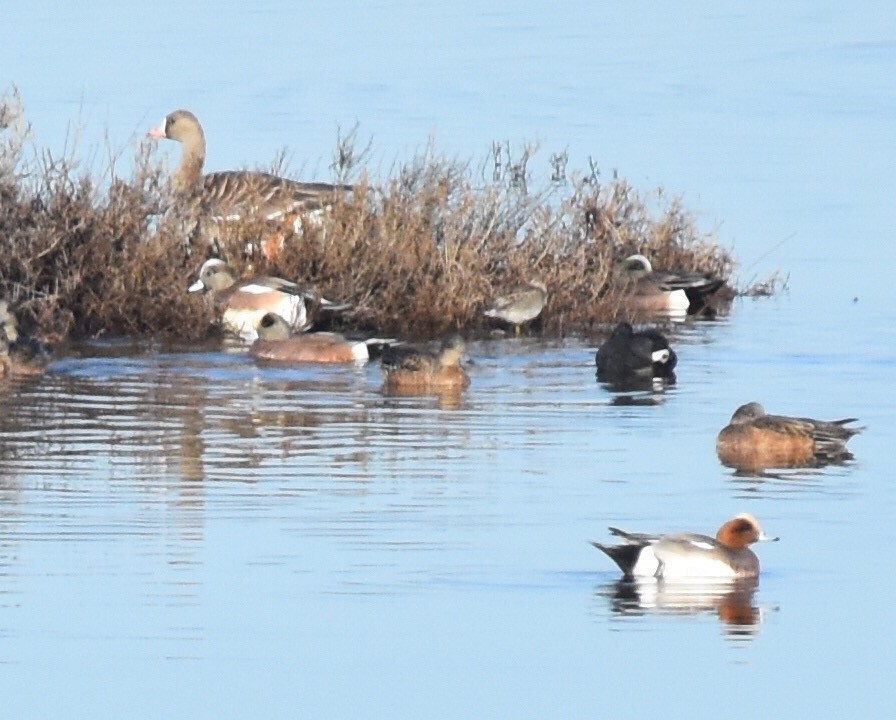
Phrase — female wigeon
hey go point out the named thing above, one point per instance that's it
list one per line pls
(628, 355)
(755, 440)
(236, 194)
(20, 356)
(13, 365)
(417, 370)
(690, 557)
(520, 305)
(276, 342)
(245, 302)
(671, 292)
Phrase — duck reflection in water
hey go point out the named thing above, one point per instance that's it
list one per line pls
(733, 603)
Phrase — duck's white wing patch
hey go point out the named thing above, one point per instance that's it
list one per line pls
(701, 544)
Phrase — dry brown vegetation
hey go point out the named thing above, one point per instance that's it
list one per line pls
(417, 255)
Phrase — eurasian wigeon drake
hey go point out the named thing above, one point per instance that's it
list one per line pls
(276, 342)
(754, 440)
(520, 305)
(690, 557)
(417, 370)
(667, 292)
(236, 194)
(631, 356)
(245, 302)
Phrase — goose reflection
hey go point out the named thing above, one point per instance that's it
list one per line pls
(733, 603)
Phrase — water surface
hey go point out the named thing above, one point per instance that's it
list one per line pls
(185, 532)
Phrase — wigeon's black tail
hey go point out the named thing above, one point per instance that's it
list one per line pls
(625, 555)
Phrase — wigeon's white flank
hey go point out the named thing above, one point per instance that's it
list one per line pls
(245, 302)
(690, 557)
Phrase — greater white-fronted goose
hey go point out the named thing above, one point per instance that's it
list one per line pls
(236, 194)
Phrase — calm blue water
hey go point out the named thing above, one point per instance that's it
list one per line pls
(185, 533)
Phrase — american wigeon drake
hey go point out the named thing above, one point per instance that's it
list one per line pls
(277, 342)
(755, 440)
(245, 302)
(520, 305)
(690, 557)
(418, 370)
(236, 194)
(667, 292)
(628, 355)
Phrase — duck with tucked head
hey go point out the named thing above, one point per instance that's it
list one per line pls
(754, 440)
(628, 356)
(690, 557)
(277, 343)
(244, 302)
